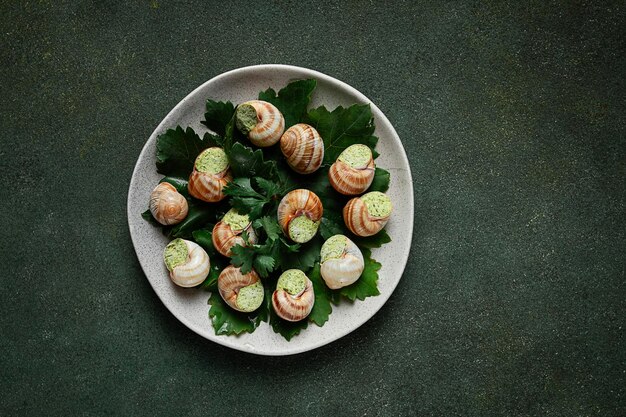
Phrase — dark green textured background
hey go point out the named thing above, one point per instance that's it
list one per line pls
(512, 116)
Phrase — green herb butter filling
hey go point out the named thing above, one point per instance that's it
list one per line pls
(250, 298)
(333, 248)
(246, 118)
(293, 281)
(175, 254)
(302, 229)
(357, 156)
(377, 203)
(235, 220)
(212, 161)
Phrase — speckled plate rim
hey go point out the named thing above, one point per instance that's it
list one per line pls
(399, 260)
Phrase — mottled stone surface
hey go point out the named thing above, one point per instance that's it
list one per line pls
(512, 117)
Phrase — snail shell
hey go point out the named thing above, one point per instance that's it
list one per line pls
(303, 147)
(264, 126)
(294, 297)
(187, 262)
(167, 205)
(341, 262)
(353, 172)
(368, 214)
(243, 292)
(227, 232)
(210, 175)
(299, 214)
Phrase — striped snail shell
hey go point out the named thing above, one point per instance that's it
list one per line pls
(210, 175)
(227, 232)
(353, 172)
(368, 214)
(294, 297)
(261, 121)
(303, 147)
(341, 262)
(187, 262)
(167, 205)
(243, 292)
(299, 214)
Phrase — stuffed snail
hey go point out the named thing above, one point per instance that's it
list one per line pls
(353, 172)
(341, 262)
(299, 215)
(210, 175)
(228, 232)
(368, 214)
(294, 297)
(187, 262)
(167, 205)
(243, 292)
(303, 148)
(260, 121)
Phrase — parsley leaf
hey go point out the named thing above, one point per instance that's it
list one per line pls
(381, 181)
(264, 264)
(270, 188)
(365, 286)
(177, 150)
(343, 127)
(243, 257)
(246, 199)
(292, 100)
(217, 116)
(269, 225)
(321, 308)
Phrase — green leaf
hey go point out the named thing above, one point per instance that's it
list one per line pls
(245, 198)
(329, 228)
(227, 321)
(321, 308)
(286, 329)
(343, 127)
(375, 241)
(197, 217)
(242, 187)
(213, 140)
(263, 265)
(381, 181)
(243, 257)
(308, 254)
(366, 285)
(269, 225)
(204, 238)
(290, 247)
(217, 116)
(211, 280)
(292, 100)
(181, 184)
(244, 162)
(269, 188)
(147, 215)
(177, 150)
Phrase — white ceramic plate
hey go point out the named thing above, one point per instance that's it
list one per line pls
(190, 305)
